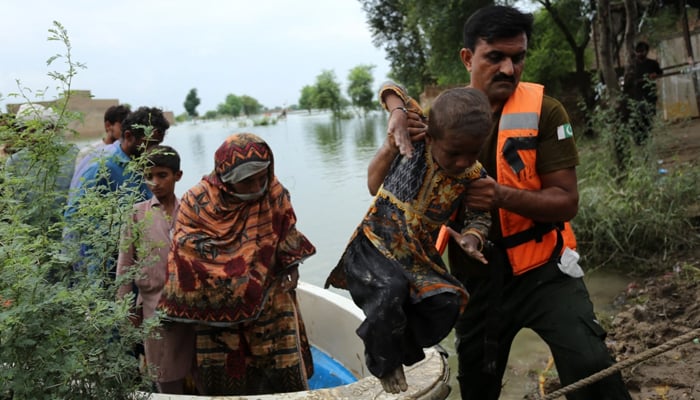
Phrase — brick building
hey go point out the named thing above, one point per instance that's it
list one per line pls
(91, 110)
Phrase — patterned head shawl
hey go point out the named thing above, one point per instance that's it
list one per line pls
(227, 254)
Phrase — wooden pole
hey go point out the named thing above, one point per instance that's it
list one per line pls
(689, 50)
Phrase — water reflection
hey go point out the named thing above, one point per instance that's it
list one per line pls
(365, 134)
(327, 135)
(199, 154)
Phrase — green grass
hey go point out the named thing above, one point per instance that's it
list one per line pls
(632, 217)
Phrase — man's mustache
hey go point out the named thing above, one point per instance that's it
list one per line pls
(504, 78)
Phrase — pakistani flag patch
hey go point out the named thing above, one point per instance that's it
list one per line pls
(565, 132)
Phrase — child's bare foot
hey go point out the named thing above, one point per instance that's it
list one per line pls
(395, 381)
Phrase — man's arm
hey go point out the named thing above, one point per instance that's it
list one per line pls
(380, 164)
(556, 201)
(657, 70)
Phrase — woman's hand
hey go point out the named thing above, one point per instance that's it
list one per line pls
(290, 278)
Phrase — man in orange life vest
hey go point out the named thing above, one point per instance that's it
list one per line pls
(533, 279)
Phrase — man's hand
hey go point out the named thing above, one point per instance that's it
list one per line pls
(482, 194)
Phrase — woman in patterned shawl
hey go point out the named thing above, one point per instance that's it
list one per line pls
(232, 271)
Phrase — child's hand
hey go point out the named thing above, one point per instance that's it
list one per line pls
(470, 244)
(404, 128)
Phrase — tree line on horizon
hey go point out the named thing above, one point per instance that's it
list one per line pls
(324, 94)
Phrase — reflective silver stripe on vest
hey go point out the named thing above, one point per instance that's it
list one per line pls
(526, 120)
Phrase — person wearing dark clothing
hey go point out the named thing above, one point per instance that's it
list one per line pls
(642, 92)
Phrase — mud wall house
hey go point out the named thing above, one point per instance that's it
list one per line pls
(91, 124)
(679, 87)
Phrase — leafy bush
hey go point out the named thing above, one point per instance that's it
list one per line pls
(62, 333)
(631, 214)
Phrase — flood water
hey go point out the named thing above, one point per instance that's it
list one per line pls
(324, 165)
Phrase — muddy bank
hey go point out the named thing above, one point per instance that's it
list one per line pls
(653, 312)
(649, 313)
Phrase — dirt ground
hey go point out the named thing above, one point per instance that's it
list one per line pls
(655, 310)
(679, 141)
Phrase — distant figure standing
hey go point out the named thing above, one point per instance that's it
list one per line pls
(643, 91)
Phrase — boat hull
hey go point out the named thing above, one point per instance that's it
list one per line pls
(331, 321)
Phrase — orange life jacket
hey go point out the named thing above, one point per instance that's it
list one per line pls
(528, 244)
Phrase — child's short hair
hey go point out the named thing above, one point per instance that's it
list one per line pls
(460, 110)
(117, 113)
(163, 156)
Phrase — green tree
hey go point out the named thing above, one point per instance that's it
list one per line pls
(307, 98)
(422, 39)
(360, 80)
(231, 107)
(443, 24)
(211, 114)
(328, 94)
(574, 20)
(191, 103)
(394, 26)
(550, 60)
(250, 106)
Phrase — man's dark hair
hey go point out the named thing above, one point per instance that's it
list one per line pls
(641, 46)
(145, 117)
(460, 110)
(496, 22)
(163, 156)
(116, 113)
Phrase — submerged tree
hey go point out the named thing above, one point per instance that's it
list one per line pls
(231, 107)
(250, 105)
(360, 82)
(191, 103)
(328, 95)
(307, 99)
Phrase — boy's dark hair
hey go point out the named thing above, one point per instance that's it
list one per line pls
(117, 113)
(460, 110)
(163, 156)
(137, 121)
(496, 22)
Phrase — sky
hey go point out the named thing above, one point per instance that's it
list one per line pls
(152, 52)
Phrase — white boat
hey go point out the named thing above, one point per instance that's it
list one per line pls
(339, 362)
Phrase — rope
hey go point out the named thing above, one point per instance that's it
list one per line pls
(686, 337)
